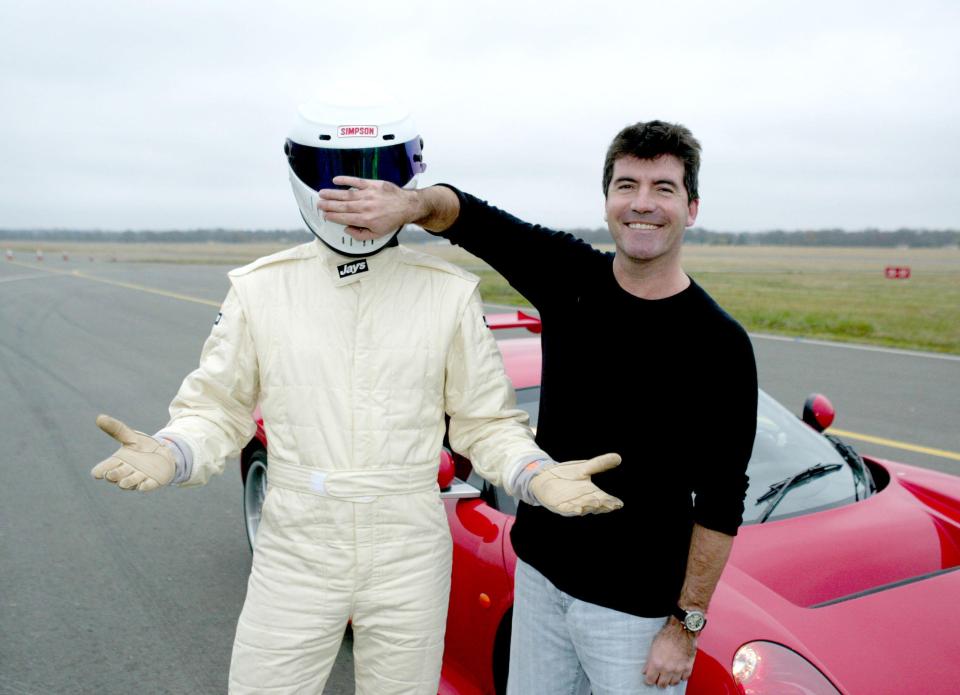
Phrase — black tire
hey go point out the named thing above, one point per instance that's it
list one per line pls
(254, 473)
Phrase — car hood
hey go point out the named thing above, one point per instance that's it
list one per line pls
(866, 592)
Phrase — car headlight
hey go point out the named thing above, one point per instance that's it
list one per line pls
(767, 668)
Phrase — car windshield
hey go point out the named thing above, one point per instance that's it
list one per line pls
(784, 447)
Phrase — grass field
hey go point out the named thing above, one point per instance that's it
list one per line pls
(828, 293)
(839, 294)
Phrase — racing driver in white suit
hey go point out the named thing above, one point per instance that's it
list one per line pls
(355, 349)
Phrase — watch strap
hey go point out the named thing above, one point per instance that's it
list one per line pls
(682, 615)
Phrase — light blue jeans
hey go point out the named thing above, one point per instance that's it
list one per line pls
(563, 646)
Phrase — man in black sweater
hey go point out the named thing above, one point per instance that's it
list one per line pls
(637, 359)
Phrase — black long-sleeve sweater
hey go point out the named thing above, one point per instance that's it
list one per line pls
(669, 384)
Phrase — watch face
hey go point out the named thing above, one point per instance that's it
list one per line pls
(694, 621)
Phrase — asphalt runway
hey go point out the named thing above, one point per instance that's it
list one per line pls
(103, 591)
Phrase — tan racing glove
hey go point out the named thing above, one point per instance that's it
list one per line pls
(566, 488)
(141, 463)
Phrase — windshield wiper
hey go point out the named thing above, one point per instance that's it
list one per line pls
(861, 473)
(780, 489)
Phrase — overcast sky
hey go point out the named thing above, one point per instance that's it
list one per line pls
(118, 114)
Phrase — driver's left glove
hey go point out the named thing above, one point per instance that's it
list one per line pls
(566, 488)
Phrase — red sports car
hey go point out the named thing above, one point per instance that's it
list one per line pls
(842, 578)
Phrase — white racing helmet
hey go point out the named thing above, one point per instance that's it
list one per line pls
(376, 140)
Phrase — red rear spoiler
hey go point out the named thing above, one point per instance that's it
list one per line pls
(516, 319)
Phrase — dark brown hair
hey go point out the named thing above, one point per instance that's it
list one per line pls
(651, 140)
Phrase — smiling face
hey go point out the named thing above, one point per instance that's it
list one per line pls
(648, 208)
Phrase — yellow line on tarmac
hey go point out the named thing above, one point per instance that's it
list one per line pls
(14, 278)
(142, 288)
(127, 285)
(896, 445)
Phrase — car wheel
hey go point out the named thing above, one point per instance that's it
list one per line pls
(254, 491)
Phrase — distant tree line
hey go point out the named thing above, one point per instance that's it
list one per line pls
(224, 236)
(600, 235)
(818, 237)
(229, 236)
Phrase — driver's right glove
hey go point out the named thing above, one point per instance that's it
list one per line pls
(566, 488)
(141, 463)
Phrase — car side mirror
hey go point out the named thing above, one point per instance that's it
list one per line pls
(818, 412)
(446, 471)
(452, 487)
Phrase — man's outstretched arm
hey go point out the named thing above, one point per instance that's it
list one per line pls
(371, 209)
(674, 649)
(541, 264)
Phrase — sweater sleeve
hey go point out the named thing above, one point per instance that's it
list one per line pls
(540, 263)
(730, 409)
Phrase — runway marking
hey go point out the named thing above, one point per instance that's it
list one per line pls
(906, 446)
(127, 285)
(22, 277)
(143, 288)
(856, 346)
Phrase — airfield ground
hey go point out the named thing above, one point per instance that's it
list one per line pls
(839, 294)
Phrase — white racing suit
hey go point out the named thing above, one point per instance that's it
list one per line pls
(354, 362)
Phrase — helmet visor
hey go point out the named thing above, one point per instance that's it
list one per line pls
(316, 166)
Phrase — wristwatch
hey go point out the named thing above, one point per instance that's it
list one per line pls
(692, 621)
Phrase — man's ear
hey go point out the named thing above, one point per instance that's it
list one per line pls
(692, 209)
